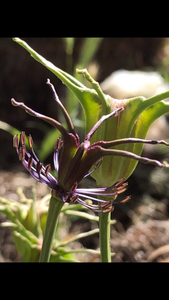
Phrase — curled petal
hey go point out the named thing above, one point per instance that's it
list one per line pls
(102, 119)
(128, 154)
(95, 208)
(110, 144)
(95, 167)
(94, 153)
(64, 111)
(40, 116)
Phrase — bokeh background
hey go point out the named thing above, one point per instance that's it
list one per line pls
(24, 79)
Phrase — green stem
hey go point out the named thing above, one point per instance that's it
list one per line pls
(55, 206)
(104, 226)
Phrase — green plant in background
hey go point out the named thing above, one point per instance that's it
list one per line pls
(115, 135)
(86, 54)
(27, 218)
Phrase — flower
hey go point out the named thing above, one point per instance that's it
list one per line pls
(132, 123)
(73, 160)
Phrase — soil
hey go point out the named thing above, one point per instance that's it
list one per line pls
(141, 232)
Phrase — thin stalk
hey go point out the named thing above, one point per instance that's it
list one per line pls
(55, 206)
(77, 237)
(104, 227)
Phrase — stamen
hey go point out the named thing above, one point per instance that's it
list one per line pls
(30, 141)
(125, 199)
(58, 144)
(122, 188)
(73, 199)
(106, 204)
(74, 187)
(47, 169)
(39, 167)
(30, 162)
(21, 153)
(119, 182)
(69, 196)
(105, 211)
(16, 141)
(22, 138)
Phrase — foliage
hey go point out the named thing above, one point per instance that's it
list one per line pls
(27, 218)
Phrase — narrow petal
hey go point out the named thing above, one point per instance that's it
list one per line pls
(127, 154)
(64, 111)
(109, 144)
(94, 208)
(56, 154)
(95, 152)
(102, 119)
(95, 167)
(99, 192)
(40, 116)
(89, 197)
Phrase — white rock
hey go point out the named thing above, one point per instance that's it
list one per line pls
(123, 84)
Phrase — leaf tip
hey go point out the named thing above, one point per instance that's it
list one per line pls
(15, 39)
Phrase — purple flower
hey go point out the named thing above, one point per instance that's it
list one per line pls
(73, 161)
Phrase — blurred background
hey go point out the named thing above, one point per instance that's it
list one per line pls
(24, 79)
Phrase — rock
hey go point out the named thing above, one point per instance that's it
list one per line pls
(123, 84)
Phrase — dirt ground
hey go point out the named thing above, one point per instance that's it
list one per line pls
(141, 233)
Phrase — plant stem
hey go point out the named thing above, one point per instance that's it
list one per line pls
(55, 206)
(104, 226)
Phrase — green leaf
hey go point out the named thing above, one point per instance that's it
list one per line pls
(88, 50)
(88, 98)
(16, 213)
(142, 126)
(29, 252)
(48, 143)
(69, 43)
(8, 128)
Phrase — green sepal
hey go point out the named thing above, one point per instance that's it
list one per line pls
(130, 123)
